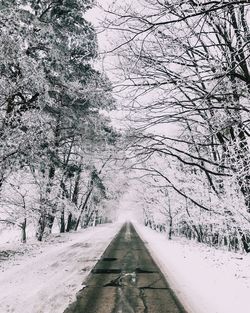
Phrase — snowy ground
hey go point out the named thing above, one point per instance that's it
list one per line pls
(205, 279)
(45, 277)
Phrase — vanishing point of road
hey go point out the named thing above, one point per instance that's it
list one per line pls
(126, 280)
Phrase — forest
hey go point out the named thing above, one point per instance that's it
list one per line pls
(57, 147)
(181, 78)
(185, 65)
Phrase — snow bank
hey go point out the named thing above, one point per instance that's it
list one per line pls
(205, 279)
(48, 279)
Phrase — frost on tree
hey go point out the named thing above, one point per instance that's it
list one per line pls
(50, 121)
(187, 66)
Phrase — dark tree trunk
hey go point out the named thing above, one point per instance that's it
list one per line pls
(62, 222)
(88, 219)
(83, 208)
(23, 228)
(71, 222)
(41, 227)
(76, 187)
(198, 235)
(246, 242)
(170, 228)
(49, 220)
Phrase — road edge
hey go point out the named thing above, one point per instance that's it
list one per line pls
(171, 280)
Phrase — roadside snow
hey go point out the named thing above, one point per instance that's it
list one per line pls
(47, 277)
(44, 278)
(206, 280)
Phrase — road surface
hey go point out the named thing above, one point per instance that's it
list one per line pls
(126, 280)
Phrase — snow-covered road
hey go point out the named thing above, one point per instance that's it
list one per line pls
(49, 280)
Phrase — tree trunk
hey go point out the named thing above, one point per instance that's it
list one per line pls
(41, 227)
(83, 208)
(62, 222)
(198, 235)
(88, 219)
(49, 222)
(76, 187)
(23, 228)
(69, 222)
(245, 241)
(170, 228)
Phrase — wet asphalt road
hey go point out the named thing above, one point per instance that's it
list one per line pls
(126, 280)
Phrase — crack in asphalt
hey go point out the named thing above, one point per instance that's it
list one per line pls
(126, 280)
(143, 299)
